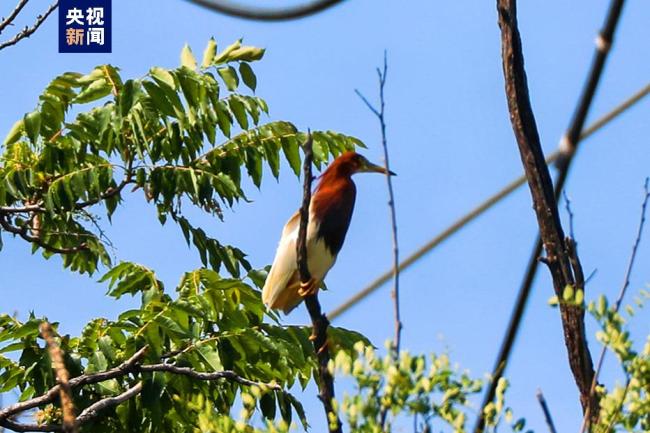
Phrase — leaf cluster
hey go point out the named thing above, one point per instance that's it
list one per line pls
(176, 134)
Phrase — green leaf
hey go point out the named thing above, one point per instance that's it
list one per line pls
(229, 77)
(15, 132)
(187, 58)
(209, 53)
(163, 75)
(247, 54)
(33, 125)
(248, 76)
(96, 90)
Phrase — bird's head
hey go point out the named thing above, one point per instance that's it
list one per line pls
(351, 162)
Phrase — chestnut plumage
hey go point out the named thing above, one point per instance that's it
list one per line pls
(330, 212)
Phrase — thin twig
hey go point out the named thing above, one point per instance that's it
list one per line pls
(12, 16)
(62, 377)
(380, 114)
(318, 319)
(569, 211)
(267, 14)
(547, 413)
(28, 31)
(23, 233)
(619, 300)
(483, 207)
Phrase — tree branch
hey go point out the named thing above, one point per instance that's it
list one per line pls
(131, 365)
(28, 31)
(318, 319)
(93, 410)
(379, 113)
(544, 202)
(574, 135)
(208, 376)
(23, 233)
(12, 16)
(267, 14)
(547, 413)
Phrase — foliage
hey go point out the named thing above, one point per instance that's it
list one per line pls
(213, 324)
(210, 346)
(150, 134)
(626, 407)
(157, 134)
(428, 389)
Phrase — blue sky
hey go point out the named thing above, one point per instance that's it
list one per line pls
(451, 144)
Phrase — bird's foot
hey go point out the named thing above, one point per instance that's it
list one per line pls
(309, 288)
(323, 348)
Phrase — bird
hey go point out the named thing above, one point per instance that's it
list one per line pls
(330, 213)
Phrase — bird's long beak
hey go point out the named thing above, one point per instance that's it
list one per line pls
(374, 168)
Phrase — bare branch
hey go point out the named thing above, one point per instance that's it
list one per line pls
(62, 376)
(545, 203)
(12, 16)
(267, 14)
(28, 31)
(318, 319)
(379, 113)
(621, 295)
(547, 413)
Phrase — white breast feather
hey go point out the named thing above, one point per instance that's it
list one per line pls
(319, 258)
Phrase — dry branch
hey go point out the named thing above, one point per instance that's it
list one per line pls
(28, 31)
(380, 114)
(318, 319)
(569, 144)
(12, 16)
(557, 257)
(267, 14)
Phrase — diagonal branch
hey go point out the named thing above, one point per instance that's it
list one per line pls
(267, 14)
(12, 16)
(28, 31)
(23, 233)
(545, 205)
(567, 150)
(318, 319)
(547, 413)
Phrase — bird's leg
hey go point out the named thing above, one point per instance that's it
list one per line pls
(309, 288)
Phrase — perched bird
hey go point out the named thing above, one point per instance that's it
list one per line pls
(330, 211)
